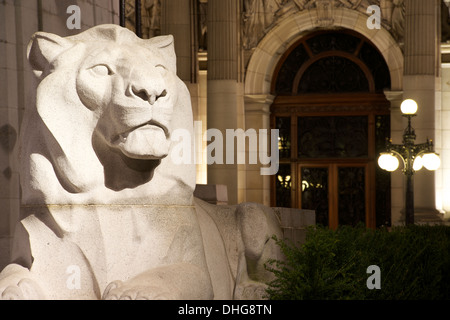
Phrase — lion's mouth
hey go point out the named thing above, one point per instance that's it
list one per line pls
(147, 141)
(122, 137)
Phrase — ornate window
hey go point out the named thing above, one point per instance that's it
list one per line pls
(331, 62)
(332, 137)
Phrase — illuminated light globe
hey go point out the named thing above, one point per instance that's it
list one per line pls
(431, 161)
(409, 106)
(383, 160)
(388, 162)
(418, 163)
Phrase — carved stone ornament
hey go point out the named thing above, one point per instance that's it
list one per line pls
(260, 16)
(325, 12)
(108, 214)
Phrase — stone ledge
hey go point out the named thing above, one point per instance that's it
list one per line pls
(294, 223)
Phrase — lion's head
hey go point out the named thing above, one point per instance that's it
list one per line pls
(106, 105)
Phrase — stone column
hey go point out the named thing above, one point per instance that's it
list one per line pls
(257, 116)
(176, 20)
(225, 89)
(444, 146)
(18, 20)
(421, 83)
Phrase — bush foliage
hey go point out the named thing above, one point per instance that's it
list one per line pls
(414, 263)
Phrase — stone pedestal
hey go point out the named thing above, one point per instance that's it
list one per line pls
(294, 223)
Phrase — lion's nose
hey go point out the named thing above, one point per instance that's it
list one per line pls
(149, 95)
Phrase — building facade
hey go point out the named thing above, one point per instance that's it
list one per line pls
(330, 75)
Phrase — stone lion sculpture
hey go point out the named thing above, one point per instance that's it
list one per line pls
(106, 213)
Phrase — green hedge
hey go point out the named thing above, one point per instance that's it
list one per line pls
(414, 263)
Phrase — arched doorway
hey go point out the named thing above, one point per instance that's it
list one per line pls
(333, 119)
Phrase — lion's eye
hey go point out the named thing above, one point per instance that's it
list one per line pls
(162, 69)
(102, 70)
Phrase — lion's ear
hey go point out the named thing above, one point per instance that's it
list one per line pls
(43, 49)
(166, 45)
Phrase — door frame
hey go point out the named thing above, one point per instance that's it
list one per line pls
(370, 105)
(333, 189)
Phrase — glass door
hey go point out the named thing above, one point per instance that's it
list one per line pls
(338, 192)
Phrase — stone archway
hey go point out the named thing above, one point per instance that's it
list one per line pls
(266, 55)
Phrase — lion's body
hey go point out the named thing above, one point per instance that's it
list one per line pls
(107, 214)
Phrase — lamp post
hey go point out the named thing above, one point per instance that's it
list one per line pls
(414, 157)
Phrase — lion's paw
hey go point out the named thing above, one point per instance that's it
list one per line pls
(25, 289)
(117, 290)
(16, 284)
